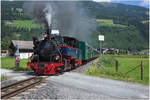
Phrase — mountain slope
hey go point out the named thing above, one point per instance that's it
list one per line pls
(134, 36)
(129, 27)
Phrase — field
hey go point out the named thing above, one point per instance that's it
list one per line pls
(3, 77)
(146, 50)
(9, 63)
(109, 23)
(126, 63)
(145, 21)
(23, 24)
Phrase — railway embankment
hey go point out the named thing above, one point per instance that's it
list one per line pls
(85, 67)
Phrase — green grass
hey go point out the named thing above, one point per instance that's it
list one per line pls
(9, 63)
(109, 23)
(112, 25)
(127, 56)
(145, 21)
(126, 62)
(24, 24)
(146, 50)
(3, 77)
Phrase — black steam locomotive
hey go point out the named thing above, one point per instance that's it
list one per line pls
(47, 50)
(56, 54)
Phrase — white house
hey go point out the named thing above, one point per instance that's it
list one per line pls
(25, 48)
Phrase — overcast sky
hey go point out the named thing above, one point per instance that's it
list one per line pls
(143, 3)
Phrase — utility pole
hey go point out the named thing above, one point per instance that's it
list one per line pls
(101, 38)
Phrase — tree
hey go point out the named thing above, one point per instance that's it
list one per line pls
(5, 43)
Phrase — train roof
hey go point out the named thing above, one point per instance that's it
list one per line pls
(72, 38)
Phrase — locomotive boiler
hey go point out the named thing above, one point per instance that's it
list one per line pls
(47, 50)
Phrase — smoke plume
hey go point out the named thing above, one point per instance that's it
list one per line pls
(71, 18)
(48, 14)
(39, 11)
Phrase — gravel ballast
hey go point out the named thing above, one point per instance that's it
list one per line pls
(49, 91)
(83, 68)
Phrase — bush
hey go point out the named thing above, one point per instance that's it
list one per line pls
(108, 61)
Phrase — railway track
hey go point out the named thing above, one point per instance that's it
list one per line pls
(21, 86)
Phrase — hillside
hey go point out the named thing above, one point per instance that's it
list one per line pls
(124, 26)
(121, 24)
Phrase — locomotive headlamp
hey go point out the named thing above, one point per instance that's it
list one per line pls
(57, 57)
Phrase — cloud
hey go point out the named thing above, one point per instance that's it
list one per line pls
(145, 3)
(102, 0)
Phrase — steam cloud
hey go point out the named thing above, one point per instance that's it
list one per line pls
(40, 11)
(48, 14)
(71, 18)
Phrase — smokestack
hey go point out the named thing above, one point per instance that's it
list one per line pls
(49, 30)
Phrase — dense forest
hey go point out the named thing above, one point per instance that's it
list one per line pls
(124, 26)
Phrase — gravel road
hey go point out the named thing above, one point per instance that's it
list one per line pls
(77, 86)
(14, 76)
(74, 85)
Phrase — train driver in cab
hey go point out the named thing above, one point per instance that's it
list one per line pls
(45, 35)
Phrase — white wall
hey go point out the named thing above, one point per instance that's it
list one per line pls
(25, 55)
(4, 54)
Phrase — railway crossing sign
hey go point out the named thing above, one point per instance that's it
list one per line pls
(101, 37)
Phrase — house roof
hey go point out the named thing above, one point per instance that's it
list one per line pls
(23, 44)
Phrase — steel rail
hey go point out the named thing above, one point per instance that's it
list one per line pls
(16, 88)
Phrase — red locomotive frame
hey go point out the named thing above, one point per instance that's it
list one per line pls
(48, 68)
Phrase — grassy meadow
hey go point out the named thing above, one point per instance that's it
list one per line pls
(126, 63)
(24, 24)
(9, 63)
(109, 23)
